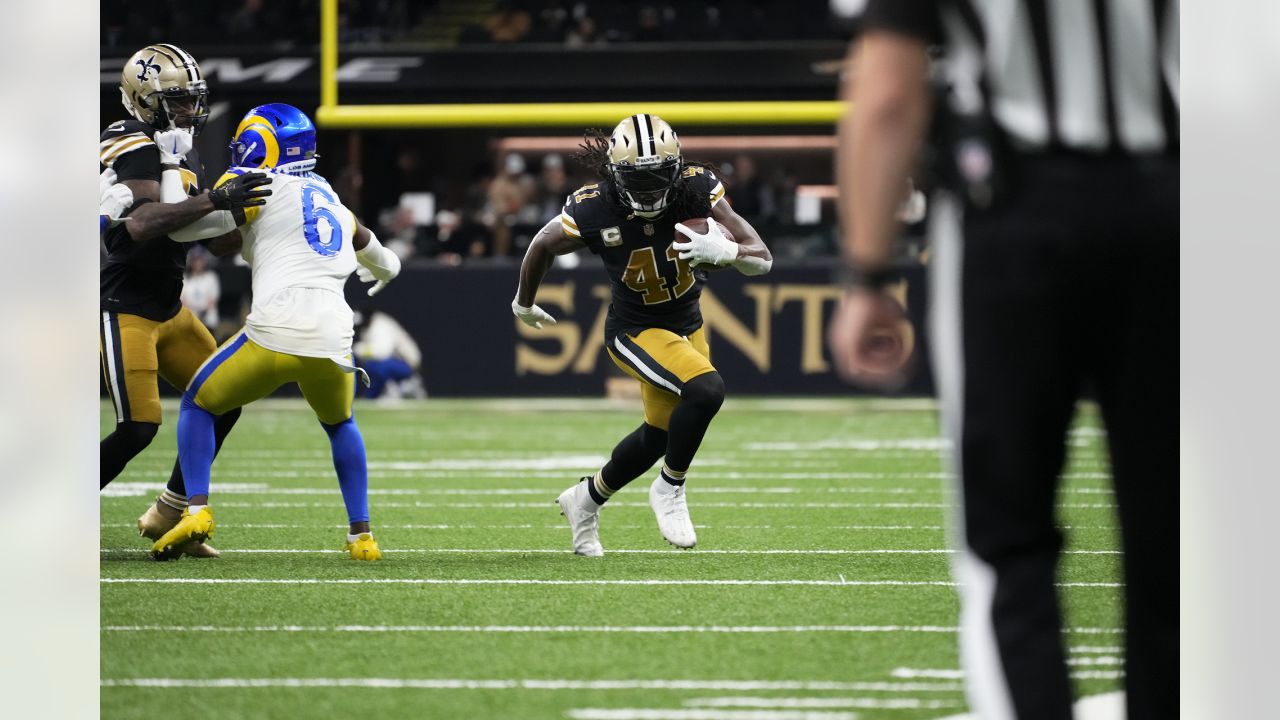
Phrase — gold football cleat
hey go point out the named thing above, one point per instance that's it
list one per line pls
(190, 529)
(364, 548)
(160, 519)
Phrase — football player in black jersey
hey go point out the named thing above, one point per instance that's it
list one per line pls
(144, 330)
(630, 218)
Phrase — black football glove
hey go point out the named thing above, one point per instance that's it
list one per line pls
(240, 192)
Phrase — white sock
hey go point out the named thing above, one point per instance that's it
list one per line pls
(352, 538)
(195, 509)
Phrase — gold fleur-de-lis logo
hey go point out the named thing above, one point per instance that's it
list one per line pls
(147, 66)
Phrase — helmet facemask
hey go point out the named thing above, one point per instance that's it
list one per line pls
(186, 108)
(646, 190)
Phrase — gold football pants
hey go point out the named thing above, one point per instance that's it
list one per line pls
(135, 351)
(242, 371)
(663, 362)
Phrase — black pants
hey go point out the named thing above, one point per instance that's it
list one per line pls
(1072, 285)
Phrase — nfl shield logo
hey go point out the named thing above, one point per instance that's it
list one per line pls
(648, 229)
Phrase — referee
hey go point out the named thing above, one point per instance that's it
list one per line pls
(1054, 272)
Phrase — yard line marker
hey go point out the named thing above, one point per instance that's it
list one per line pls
(1098, 649)
(898, 703)
(562, 629)
(1095, 661)
(543, 629)
(914, 673)
(526, 684)
(616, 503)
(703, 714)
(527, 581)
(635, 551)
(262, 489)
(940, 674)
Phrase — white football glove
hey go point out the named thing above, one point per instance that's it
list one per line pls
(378, 265)
(710, 248)
(174, 145)
(531, 316)
(113, 199)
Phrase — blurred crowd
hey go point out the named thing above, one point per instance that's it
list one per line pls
(497, 213)
(574, 23)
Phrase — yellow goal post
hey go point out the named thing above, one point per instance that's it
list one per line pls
(334, 115)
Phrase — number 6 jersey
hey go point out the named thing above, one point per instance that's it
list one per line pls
(652, 286)
(298, 247)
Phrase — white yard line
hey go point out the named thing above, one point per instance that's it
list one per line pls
(637, 551)
(701, 714)
(526, 581)
(614, 504)
(261, 489)
(566, 629)
(514, 684)
(1096, 649)
(1102, 661)
(543, 629)
(897, 703)
(952, 674)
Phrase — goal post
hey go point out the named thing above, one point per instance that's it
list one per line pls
(334, 115)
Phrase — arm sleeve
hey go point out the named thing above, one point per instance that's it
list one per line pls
(916, 18)
(171, 189)
(215, 224)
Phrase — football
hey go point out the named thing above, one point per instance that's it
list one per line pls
(699, 225)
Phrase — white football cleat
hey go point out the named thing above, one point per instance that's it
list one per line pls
(669, 506)
(583, 522)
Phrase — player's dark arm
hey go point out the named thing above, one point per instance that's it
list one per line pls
(753, 257)
(541, 255)
(153, 219)
(880, 137)
(156, 219)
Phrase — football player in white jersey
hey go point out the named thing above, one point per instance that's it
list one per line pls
(301, 247)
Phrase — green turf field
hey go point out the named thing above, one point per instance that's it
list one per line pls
(819, 588)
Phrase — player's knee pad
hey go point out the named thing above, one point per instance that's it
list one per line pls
(705, 391)
(136, 435)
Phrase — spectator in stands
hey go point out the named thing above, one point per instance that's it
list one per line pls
(509, 196)
(553, 187)
(386, 351)
(584, 33)
(509, 23)
(201, 288)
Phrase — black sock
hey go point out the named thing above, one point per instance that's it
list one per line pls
(222, 425)
(700, 400)
(122, 445)
(635, 454)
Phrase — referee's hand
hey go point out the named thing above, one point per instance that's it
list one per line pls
(871, 339)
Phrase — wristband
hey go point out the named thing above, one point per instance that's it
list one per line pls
(874, 279)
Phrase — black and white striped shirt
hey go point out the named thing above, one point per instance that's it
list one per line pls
(1085, 75)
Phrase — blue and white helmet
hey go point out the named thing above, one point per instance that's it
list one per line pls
(275, 137)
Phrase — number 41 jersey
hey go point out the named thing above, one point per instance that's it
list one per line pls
(652, 286)
(298, 247)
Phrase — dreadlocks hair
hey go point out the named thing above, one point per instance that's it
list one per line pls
(686, 202)
(593, 152)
